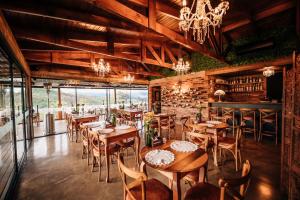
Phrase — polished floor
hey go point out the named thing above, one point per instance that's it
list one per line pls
(54, 170)
(39, 129)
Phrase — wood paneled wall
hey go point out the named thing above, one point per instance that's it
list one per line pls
(290, 154)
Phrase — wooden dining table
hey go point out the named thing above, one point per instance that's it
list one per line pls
(183, 164)
(116, 136)
(132, 113)
(216, 130)
(77, 120)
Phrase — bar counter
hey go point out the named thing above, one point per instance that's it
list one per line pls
(257, 105)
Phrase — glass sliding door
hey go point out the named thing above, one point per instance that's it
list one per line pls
(7, 152)
(19, 108)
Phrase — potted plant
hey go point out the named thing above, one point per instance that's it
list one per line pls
(199, 114)
(148, 130)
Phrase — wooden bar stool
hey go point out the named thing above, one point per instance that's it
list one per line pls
(228, 115)
(249, 115)
(268, 117)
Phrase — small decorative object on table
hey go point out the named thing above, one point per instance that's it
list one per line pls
(199, 114)
(219, 93)
(149, 132)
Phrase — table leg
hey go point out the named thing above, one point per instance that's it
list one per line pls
(215, 156)
(107, 162)
(137, 150)
(176, 187)
(76, 132)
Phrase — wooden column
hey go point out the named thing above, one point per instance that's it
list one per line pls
(30, 134)
(59, 105)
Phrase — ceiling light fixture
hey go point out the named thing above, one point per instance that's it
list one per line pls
(101, 68)
(182, 66)
(204, 17)
(129, 79)
(268, 71)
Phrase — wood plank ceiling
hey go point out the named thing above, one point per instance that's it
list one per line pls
(60, 38)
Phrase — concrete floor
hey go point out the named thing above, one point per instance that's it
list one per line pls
(60, 127)
(55, 170)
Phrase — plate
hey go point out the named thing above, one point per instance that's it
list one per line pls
(159, 157)
(106, 130)
(213, 122)
(183, 146)
(122, 127)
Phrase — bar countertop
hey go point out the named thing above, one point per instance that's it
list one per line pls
(258, 105)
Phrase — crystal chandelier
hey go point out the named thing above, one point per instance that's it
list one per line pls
(129, 79)
(268, 71)
(182, 66)
(101, 68)
(202, 19)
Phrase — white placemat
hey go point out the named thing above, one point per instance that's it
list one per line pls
(122, 127)
(213, 122)
(93, 124)
(183, 146)
(106, 130)
(160, 157)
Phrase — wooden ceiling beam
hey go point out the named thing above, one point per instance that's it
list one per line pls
(120, 9)
(259, 65)
(62, 42)
(59, 73)
(116, 27)
(161, 7)
(260, 15)
(7, 35)
(67, 58)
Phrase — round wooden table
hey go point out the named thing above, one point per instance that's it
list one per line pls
(183, 164)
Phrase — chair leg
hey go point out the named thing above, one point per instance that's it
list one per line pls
(99, 174)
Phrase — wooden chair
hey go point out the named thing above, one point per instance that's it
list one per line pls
(183, 123)
(164, 124)
(268, 117)
(172, 119)
(213, 113)
(98, 151)
(129, 142)
(204, 141)
(249, 115)
(84, 132)
(70, 128)
(228, 116)
(226, 189)
(233, 145)
(141, 188)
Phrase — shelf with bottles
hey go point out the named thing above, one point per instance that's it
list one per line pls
(253, 79)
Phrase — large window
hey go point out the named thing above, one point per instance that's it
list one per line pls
(12, 121)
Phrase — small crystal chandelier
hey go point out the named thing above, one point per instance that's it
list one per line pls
(201, 20)
(129, 79)
(268, 71)
(101, 68)
(182, 66)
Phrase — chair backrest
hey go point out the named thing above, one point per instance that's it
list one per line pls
(267, 113)
(139, 179)
(243, 182)
(84, 132)
(199, 137)
(164, 121)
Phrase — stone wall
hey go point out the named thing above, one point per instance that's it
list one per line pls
(183, 94)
